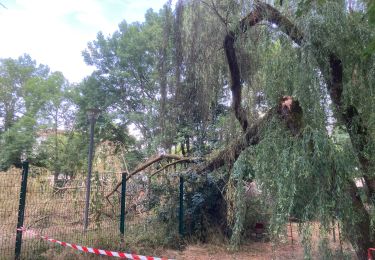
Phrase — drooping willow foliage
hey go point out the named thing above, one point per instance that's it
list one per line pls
(331, 28)
(307, 176)
(241, 172)
(304, 177)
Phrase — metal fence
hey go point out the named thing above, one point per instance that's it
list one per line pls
(56, 210)
(10, 186)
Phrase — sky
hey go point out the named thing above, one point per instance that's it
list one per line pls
(55, 32)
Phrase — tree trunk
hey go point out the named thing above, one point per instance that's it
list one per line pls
(357, 227)
(236, 86)
(349, 116)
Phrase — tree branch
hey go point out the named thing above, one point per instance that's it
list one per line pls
(288, 111)
(236, 86)
(233, 151)
(186, 160)
(263, 11)
(214, 9)
(150, 162)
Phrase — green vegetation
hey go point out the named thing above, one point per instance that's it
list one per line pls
(301, 79)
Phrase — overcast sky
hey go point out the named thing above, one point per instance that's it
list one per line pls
(54, 32)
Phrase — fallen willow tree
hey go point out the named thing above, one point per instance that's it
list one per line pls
(289, 113)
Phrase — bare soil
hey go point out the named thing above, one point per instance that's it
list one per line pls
(265, 250)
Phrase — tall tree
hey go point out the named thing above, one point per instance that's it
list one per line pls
(17, 108)
(31, 98)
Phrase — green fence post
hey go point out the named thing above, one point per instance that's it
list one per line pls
(181, 213)
(123, 198)
(21, 209)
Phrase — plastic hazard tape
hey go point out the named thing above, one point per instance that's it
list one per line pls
(369, 256)
(92, 250)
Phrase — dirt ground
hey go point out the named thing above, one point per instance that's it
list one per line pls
(262, 250)
(256, 251)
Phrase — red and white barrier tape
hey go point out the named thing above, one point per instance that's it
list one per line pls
(93, 250)
(369, 256)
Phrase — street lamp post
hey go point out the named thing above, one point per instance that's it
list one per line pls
(92, 114)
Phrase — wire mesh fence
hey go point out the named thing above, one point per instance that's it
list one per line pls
(10, 186)
(55, 208)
